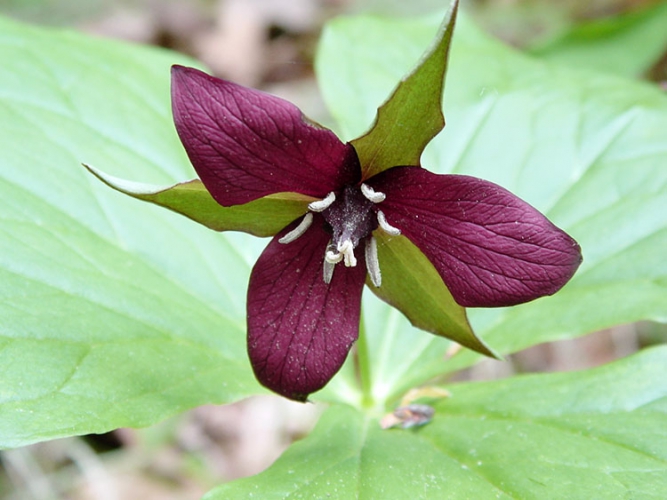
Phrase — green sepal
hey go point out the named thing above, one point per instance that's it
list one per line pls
(412, 115)
(263, 217)
(412, 285)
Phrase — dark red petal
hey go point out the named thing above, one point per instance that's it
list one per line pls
(299, 328)
(245, 144)
(490, 247)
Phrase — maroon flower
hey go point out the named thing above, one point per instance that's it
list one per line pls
(489, 247)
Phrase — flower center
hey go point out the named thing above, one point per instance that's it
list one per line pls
(352, 217)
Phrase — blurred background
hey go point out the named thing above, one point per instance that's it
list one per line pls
(270, 44)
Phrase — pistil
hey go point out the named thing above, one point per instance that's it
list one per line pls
(345, 252)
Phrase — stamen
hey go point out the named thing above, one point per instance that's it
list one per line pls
(347, 250)
(372, 262)
(386, 227)
(322, 205)
(371, 194)
(298, 230)
(328, 270)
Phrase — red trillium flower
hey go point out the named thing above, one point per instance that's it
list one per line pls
(489, 247)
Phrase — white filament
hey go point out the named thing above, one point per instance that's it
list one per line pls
(321, 205)
(372, 262)
(328, 270)
(298, 230)
(386, 227)
(371, 194)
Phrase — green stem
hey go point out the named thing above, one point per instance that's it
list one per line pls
(364, 367)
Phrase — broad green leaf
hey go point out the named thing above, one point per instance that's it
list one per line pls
(626, 44)
(112, 312)
(587, 149)
(412, 115)
(263, 217)
(582, 435)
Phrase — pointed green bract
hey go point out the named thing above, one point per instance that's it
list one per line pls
(539, 436)
(412, 115)
(412, 285)
(263, 217)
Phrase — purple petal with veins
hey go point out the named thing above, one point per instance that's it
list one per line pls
(490, 247)
(299, 328)
(245, 144)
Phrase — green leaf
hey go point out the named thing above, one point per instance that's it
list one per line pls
(112, 312)
(585, 148)
(592, 434)
(412, 285)
(627, 44)
(412, 115)
(263, 217)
